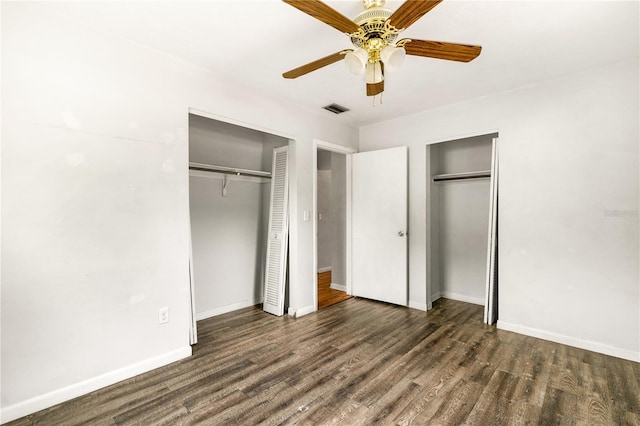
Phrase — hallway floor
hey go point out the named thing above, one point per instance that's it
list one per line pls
(328, 296)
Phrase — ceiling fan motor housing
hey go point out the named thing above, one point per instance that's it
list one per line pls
(372, 22)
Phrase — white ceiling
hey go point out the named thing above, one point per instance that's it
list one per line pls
(254, 42)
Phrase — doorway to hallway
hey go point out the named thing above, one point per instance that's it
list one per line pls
(328, 296)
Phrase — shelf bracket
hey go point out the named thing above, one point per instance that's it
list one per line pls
(225, 185)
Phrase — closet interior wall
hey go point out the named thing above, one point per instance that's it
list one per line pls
(228, 233)
(459, 215)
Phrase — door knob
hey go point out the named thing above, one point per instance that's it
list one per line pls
(400, 233)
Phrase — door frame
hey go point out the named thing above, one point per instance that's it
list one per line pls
(338, 149)
(193, 331)
(427, 217)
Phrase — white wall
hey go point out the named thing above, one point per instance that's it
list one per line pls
(568, 201)
(95, 202)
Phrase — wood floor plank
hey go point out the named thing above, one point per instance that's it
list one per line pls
(361, 362)
(455, 409)
(435, 394)
(209, 405)
(626, 418)
(240, 413)
(288, 404)
(560, 407)
(494, 404)
(348, 414)
(481, 372)
(522, 413)
(328, 296)
(392, 402)
(534, 380)
(403, 367)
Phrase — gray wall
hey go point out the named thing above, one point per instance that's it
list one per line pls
(332, 204)
(339, 219)
(459, 220)
(325, 230)
(228, 233)
(224, 144)
(227, 243)
(325, 220)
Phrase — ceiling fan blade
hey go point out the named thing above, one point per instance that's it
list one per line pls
(317, 64)
(442, 50)
(326, 14)
(410, 11)
(375, 88)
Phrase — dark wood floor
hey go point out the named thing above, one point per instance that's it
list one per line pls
(328, 296)
(361, 363)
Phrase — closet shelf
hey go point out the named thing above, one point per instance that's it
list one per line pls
(462, 176)
(229, 170)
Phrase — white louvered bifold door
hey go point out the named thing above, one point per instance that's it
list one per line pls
(276, 264)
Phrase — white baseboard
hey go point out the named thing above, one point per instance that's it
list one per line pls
(224, 309)
(338, 287)
(304, 311)
(435, 297)
(570, 341)
(463, 298)
(325, 269)
(21, 409)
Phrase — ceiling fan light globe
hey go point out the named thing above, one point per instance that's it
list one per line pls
(356, 61)
(373, 73)
(392, 57)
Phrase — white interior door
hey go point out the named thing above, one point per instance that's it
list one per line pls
(491, 303)
(276, 264)
(379, 225)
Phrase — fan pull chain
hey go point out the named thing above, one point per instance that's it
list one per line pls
(374, 100)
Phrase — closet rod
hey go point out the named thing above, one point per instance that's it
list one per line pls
(228, 170)
(462, 176)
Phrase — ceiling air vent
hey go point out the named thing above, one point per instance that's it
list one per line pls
(335, 108)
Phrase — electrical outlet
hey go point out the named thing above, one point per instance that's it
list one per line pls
(163, 315)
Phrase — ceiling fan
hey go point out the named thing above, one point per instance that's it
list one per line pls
(373, 33)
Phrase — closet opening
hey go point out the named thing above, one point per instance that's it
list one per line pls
(331, 223)
(229, 199)
(462, 221)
